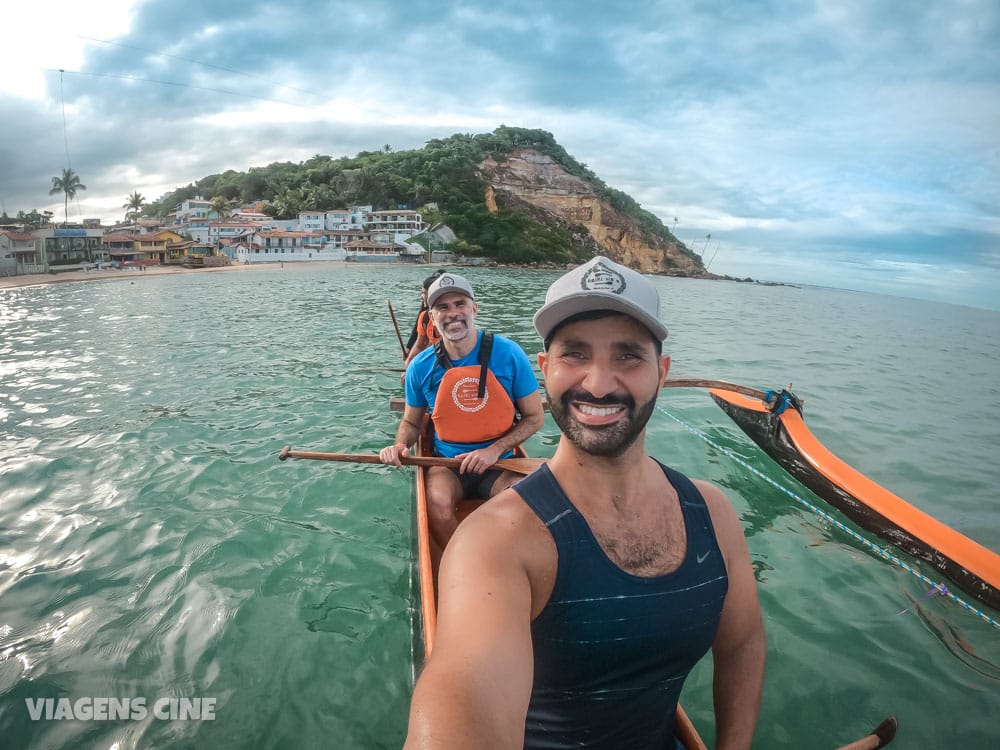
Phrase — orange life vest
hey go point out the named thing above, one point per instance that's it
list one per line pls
(471, 406)
(427, 328)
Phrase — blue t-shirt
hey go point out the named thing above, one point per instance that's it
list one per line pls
(508, 363)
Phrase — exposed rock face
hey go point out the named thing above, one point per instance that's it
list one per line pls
(532, 180)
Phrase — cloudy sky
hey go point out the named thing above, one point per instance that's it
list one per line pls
(850, 143)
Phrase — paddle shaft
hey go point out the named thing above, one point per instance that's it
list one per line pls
(396, 326)
(517, 465)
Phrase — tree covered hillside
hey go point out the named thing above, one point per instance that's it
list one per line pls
(445, 172)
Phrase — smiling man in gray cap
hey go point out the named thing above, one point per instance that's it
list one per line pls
(482, 396)
(574, 605)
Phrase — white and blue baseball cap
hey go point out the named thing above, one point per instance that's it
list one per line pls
(601, 284)
(449, 282)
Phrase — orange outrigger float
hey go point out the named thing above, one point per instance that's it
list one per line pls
(774, 421)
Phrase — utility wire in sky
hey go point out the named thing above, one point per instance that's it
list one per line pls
(241, 94)
(62, 99)
(199, 62)
(69, 162)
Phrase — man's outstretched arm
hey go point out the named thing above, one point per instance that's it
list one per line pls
(475, 688)
(406, 435)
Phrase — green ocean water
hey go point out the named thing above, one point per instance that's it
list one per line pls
(152, 546)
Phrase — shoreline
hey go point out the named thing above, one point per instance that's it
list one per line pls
(63, 277)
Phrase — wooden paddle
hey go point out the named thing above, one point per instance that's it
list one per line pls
(396, 326)
(517, 465)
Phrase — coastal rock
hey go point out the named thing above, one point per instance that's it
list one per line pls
(534, 182)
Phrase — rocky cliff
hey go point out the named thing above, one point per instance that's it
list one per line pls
(532, 181)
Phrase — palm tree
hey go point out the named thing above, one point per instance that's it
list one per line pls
(221, 206)
(134, 206)
(69, 184)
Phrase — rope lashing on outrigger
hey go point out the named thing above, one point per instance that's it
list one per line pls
(783, 401)
(778, 401)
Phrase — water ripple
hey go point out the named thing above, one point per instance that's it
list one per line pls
(151, 544)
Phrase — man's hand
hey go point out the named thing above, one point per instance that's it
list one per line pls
(479, 460)
(393, 453)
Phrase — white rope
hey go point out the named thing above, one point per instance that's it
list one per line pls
(879, 550)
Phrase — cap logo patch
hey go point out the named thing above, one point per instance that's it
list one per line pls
(446, 281)
(600, 278)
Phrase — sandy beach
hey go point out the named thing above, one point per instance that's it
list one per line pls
(37, 279)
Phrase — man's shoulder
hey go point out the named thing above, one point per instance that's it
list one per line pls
(509, 524)
(725, 519)
(423, 357)
(712, 493)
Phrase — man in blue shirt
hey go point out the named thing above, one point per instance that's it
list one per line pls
(473, 384)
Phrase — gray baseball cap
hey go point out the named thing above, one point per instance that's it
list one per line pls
(601, 284)
(449, 282)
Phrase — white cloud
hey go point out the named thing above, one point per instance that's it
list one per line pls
(49, 35)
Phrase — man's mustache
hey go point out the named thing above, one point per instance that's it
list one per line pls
(612, 399)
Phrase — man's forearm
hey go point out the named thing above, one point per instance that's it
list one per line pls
(738, 684)
(519, 432)
(407, 433)
(445, 717)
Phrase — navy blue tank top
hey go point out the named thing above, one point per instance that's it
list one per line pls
(611, 649)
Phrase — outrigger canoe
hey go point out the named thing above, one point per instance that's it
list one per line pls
(774, 421)
(684, 731)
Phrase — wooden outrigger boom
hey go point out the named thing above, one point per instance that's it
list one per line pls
(776, 425)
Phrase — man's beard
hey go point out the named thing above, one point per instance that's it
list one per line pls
(611, 440)
(455, 336)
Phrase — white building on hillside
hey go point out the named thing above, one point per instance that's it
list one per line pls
(243, 215)
(311, 220)
(400, 224)
(352, 217)
(192, 209)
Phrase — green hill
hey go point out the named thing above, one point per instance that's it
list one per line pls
(445, 181)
